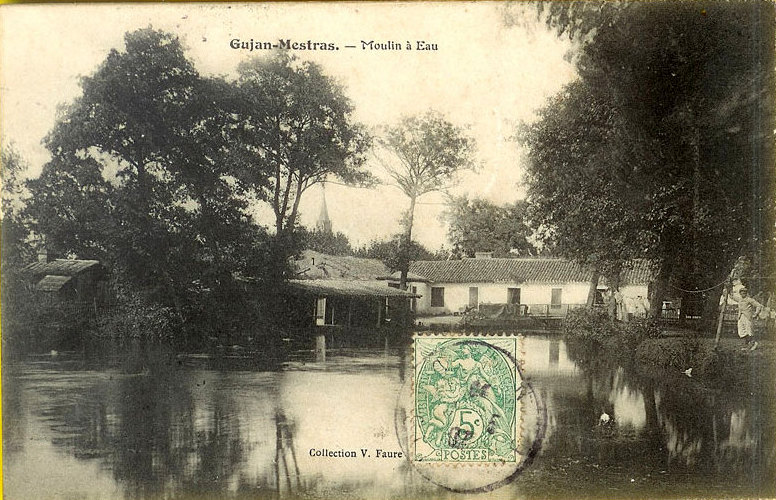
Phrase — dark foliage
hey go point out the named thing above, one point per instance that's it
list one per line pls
(660, 149)
(327, 242)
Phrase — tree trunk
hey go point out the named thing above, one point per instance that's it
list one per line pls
(593, 287)
(685, 300)
(614, 288)
(613, 279)
(295, 206)
(278, 223)
(658, 289)
(405, 251)
(721, 316)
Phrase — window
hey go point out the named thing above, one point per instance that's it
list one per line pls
(513, 295)
(437, 296)
(556, 299)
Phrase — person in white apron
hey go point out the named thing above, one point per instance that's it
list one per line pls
(748, 309)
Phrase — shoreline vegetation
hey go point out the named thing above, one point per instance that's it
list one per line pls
(664, 354)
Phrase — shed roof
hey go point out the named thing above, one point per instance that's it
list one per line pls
(51, 283)
(349, 288)
(314, 265)
(61, 267)
(527, 270)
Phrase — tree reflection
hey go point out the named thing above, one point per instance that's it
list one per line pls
(14, 425)
(687, 427)
(155, 437)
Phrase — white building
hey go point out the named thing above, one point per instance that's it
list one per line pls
(537, 286)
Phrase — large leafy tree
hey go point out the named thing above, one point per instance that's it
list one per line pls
(583, 184)
(479, 225)
(423, 154)
(298, 129)
(147, 176)
(691, 85)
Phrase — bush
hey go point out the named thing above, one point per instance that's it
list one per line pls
(592, 331)
(36, 322)
(136, 318)
(471, 317)
(591, 325)
(631, 334)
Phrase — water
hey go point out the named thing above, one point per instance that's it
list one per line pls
(180, 432)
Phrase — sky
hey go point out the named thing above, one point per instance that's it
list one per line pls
(484, 76)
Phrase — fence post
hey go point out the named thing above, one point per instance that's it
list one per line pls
(722, 314)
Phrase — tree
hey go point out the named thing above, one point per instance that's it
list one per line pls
(478, 225)
(583, 186)
(16, 248)
(326, 242)
(423, 154)
(26, 314)
(147, 175)
(394, 254)
(299, 130)
(693, 102)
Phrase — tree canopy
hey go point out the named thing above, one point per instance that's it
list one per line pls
(659, 149)
(299, 130)
(478, 225)
(394, 254)
(423, 154)
(16, 244)
(326, 241)
(147, 176)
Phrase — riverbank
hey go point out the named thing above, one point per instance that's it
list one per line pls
(660, 353)
(729, 365)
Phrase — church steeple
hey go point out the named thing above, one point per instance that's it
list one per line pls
(323, 224)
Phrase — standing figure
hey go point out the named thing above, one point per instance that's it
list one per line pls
(748, 309)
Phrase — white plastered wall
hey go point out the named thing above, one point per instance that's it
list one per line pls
(457, 294)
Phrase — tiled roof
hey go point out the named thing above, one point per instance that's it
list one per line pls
(316, 265)
(61, 267)
(52, 283)
(396, 276)
(349, 287)
(534, 270)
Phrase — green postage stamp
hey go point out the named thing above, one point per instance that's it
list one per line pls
(466, 394)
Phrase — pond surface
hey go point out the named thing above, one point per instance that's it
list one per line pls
(182, 432)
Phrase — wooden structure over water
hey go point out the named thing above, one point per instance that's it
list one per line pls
(343, 298)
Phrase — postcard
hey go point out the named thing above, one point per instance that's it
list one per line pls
(385, 250)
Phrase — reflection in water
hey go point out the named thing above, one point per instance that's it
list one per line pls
(285, 457)
(178, 432)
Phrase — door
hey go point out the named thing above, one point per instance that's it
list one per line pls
(474, 301)
(556, 299)
(320, 311)
(513, 295)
